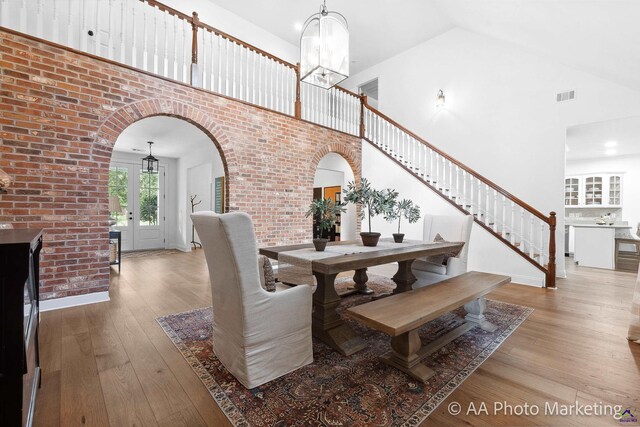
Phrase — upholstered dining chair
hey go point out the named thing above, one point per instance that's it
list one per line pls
(257, 335)
(452, 229)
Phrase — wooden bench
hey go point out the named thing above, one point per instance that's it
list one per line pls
(401, 315)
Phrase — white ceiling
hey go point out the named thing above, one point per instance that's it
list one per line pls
(619, 137)
(172, 137)
(598, 36)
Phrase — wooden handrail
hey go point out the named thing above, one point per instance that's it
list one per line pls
(488, 182)
(199, 24)
(169, 10)
(246, 45)
(347, 91)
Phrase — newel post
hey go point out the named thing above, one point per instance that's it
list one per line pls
(195, 74)
(298, 103)
(363, 101)
(551, 270)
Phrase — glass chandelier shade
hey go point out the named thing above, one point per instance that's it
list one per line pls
(150, 163)
(324, 49)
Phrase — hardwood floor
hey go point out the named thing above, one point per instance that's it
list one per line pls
(111, 363)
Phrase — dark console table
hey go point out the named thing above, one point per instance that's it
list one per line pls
(19, 313)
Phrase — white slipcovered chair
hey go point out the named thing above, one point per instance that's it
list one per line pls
(452, 229)
(257, 335)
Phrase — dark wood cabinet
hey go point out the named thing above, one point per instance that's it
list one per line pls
(19, 315)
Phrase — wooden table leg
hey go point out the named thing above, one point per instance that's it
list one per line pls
(327, 325)
(404, 356)
(404, 278)
(475, 314)
(360, 278)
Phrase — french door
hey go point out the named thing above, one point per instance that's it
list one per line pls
(141, 216)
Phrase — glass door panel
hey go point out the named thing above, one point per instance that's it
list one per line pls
(121, 187)
(593, 190)
(615, 190)
(571, 191)
(149, 209)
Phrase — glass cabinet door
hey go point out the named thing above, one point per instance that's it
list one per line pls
(615, 190)
(571, 191)
(593, 190)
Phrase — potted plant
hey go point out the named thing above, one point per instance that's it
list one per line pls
(325, 213)
(404, 208)
(372, 202)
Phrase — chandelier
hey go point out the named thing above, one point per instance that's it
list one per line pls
(324, 49)
(150, 163)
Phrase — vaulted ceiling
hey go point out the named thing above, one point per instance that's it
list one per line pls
(600, 37)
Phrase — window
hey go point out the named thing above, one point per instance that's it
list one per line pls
(119, 186)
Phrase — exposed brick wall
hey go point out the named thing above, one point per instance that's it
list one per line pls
(61, 113)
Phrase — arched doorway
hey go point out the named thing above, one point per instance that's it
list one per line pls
(332, 175)
(152, 210)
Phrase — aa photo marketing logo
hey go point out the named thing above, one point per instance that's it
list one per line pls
(628, 415)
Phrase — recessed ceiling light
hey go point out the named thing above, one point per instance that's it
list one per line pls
(611, 152)
(297, 26)
(611, 144)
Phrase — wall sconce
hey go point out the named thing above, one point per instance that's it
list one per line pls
(5, 181)
(440, 99)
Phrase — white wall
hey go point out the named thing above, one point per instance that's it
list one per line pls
(501, 117)
(334, 170)
(328, 178)
(630, 166)
(196, 173)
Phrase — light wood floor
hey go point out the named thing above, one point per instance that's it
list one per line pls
(111, 364)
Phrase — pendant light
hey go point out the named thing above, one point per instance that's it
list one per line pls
(324, 49)
(150, 163)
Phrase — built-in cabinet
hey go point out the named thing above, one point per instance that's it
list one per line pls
(594, 190)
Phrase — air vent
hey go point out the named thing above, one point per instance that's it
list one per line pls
(566, 96)
(139, 150)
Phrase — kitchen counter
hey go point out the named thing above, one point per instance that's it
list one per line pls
(594, 245)
(600, 226)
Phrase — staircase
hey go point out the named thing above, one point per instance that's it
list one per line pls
(152, 37)
(525, 230)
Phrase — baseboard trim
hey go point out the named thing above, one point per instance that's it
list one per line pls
(526, 280)
(74, 301)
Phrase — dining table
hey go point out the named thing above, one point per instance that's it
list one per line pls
(345, 256)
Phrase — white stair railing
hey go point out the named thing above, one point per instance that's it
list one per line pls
(514, 222)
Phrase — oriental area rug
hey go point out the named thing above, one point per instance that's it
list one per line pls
(352, 391)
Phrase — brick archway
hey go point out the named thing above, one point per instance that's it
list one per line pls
(59, 138)
(347, 151)
(124, 117)
(352, 156)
